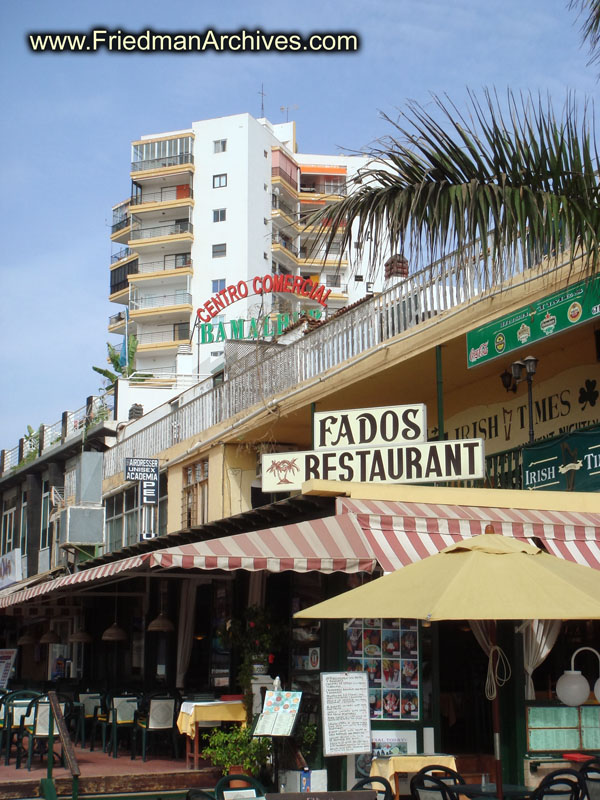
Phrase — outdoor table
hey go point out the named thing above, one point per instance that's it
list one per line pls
(212, 711)
(389, 767)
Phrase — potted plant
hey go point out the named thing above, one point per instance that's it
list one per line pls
(257, 636)
(236, 750)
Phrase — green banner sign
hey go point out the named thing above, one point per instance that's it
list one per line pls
(553, 314)
(568, 464)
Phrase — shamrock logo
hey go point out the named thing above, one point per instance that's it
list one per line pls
(588, 394)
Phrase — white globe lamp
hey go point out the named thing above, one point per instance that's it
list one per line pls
(572, 688)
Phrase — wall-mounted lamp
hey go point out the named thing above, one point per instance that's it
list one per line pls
(519, 371)
(572, 688)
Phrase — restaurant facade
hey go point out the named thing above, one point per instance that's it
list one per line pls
(432, 412)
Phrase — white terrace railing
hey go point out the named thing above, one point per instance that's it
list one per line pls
(48, 437)
(431, 291)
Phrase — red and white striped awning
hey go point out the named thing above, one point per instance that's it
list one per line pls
(401, 532)
(84, 576)
(330, 544)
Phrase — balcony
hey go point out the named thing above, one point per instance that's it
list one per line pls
(161, 339)
(180, 298)
(279, 172)
(119, 277)
(119, 230)
(162, 163)
(329, 188)
(121, 255)
(174, 195)
(174, 229)
(279, 240)
(164, 265)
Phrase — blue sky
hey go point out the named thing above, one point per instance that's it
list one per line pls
(67, 121)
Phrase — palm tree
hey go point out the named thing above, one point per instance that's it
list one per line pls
(121, 370)
(518, 179)
(590, 28)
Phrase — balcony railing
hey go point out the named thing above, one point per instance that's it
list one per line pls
(280, 205)
(165, 196)
(162, 266)
(124, 252)
(116, 318)
(277, 239)
(162, 230)
(165, 161)
(279, 172)
(159, 337)
(122, 223)
(307, 254)
(160, 300)
(324, 188)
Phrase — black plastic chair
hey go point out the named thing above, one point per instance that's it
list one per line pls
(224, 783)
(367, 783)
(435, 782)
(561, 784)
(591, 775)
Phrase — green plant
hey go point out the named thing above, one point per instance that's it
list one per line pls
(121, 370)
(236, 746)
(305, 737)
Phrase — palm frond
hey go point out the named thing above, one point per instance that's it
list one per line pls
(589, 10)
(515, 177)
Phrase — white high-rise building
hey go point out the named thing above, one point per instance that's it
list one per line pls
(214, 246)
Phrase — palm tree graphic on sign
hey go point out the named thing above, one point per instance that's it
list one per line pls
(281, 468)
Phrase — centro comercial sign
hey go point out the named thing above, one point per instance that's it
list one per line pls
(303, 288)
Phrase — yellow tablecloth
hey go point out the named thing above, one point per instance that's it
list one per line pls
(389, 767)
(217, 711)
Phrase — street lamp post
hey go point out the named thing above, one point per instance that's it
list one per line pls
(529, 364)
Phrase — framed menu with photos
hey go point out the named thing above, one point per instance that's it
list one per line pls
(387, 649)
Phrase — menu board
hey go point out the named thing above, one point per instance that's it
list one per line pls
(345, 709)
(388, 651)
(7, 659)
(279, 714)
(561, 728)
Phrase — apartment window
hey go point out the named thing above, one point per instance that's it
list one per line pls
(181, 331)
(219, 250)
(219, 181)
(177, 260)
(195, 494)
(218, 285)
(220, 145)
(45, 516)
(9, 528)
(219, 214)
(23, 524)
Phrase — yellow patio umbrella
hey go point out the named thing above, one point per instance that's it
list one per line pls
(487, 577)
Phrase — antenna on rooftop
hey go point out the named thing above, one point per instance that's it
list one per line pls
(287, 111)
(262, 100)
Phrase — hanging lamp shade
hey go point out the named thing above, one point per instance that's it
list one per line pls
(80, 637)
(25, 639)
(114, 633)
(161, 624)
(50, 637)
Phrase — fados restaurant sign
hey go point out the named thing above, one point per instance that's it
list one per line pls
(374, 445)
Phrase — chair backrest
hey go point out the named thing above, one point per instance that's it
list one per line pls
(42, 711)
(90, 701)
(561, 784)
(435, 782)
(371, 783)
(590, 770)
(17, 706)
(223, 785)
(123, 709)
(161, 714)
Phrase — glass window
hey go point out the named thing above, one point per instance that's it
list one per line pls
(23, 524)
(219, 214)
(45, 516)
(218, 285)
(220, 145)
(195, 494)
(219, 181)
(219, 250)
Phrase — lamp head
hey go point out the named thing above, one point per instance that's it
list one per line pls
(517, 370)
(530, 364)
(507, 381)
(572, 688)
